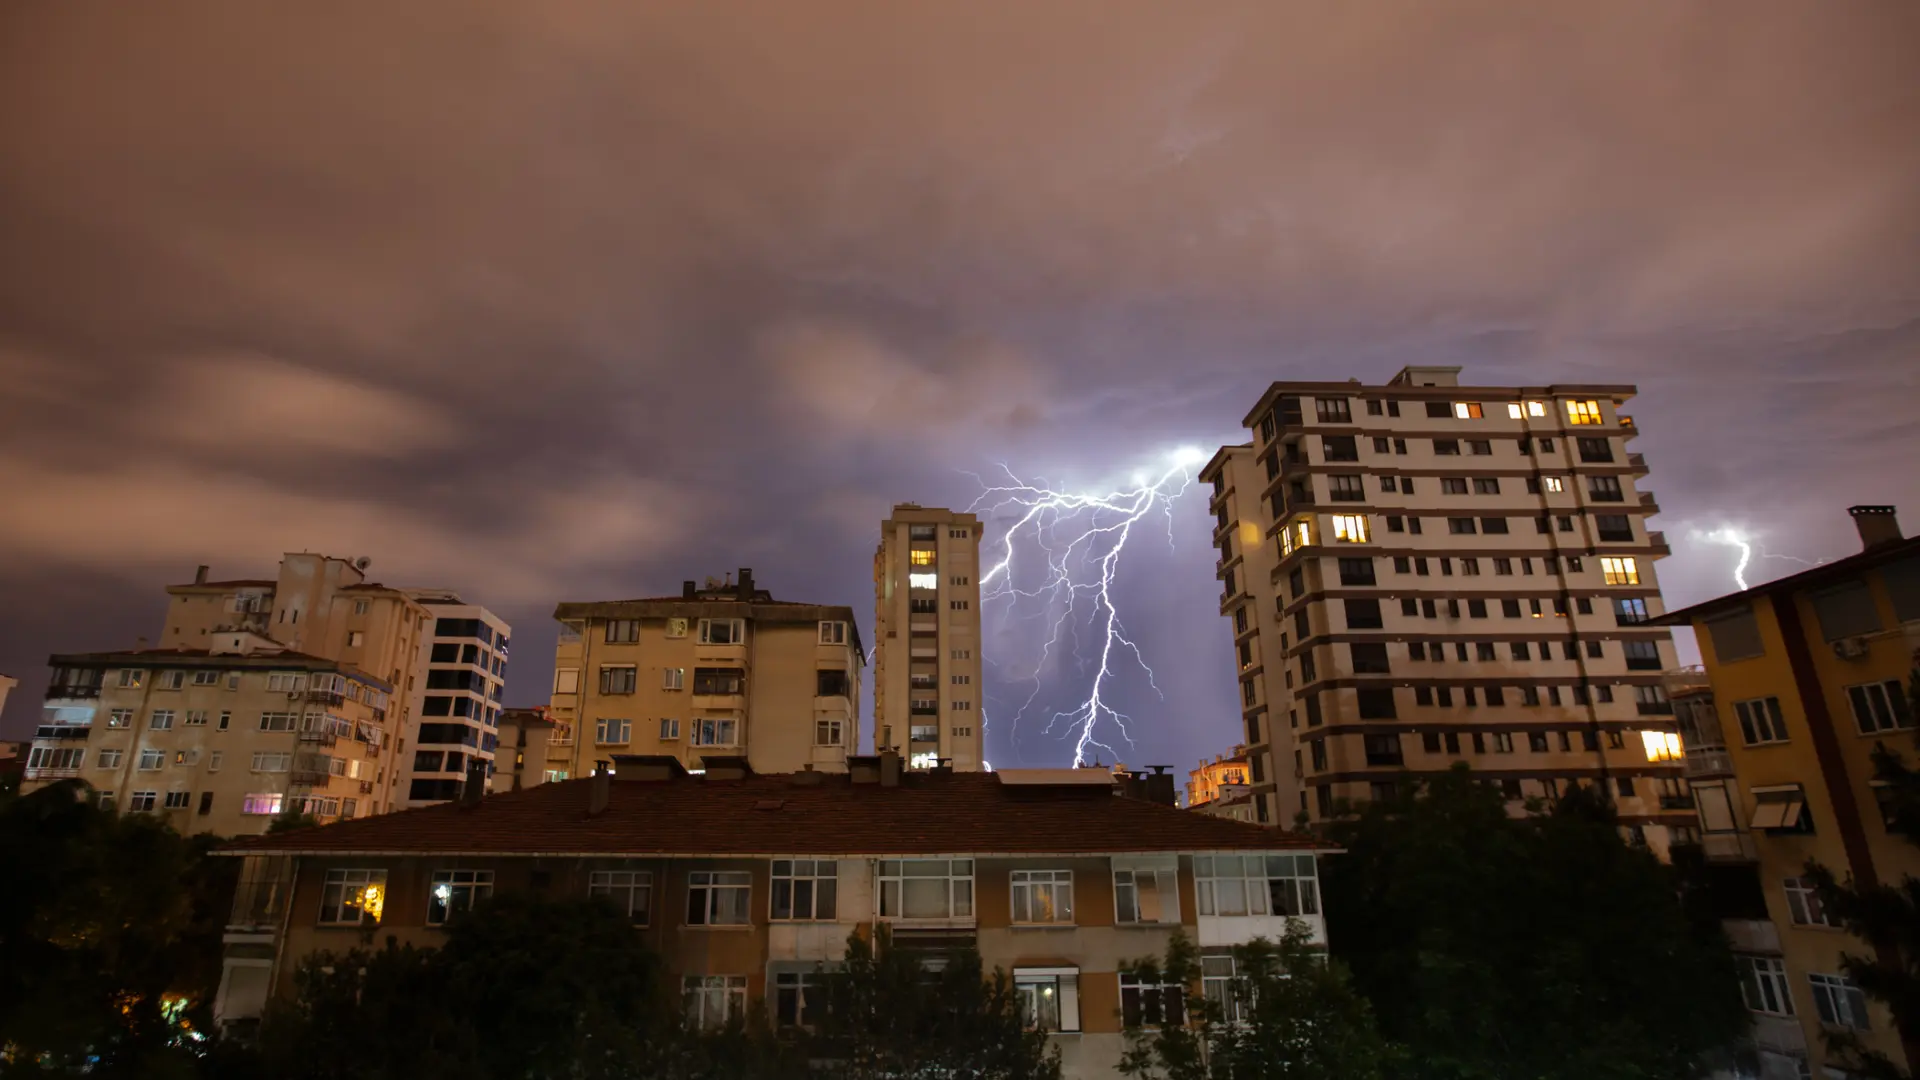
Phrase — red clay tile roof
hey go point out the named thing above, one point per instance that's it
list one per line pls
(962, 813)
(235, 583)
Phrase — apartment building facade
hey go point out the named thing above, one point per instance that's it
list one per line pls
(321, 625)
(1422, 573)
(1212, 778)
(928, 692)
(748, 885)
(721, 671)
(460, 708)
(219, 739)
(1803, 679)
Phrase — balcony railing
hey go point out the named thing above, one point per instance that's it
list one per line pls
(90, 691)
(1676, 802)
(1693, 677)
(48, 773)
(1708, 763)
(1653, 708)
(1728, 847)
(61, 731)
(924, 733)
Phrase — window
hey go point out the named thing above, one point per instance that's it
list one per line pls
(1583, 412)
(1292, 885)
(826, 733)
(1350, 528)
(1453, 485)
(69, 758)
(723, 631)
(1230, 884)
(1339, 448)
(958, 605)
(1466, 410)
(1605, 489)
(804, 890)
(1364, 615)
(1879, 707)
(928, 580)
(206, 678)
(566, 680)
(172, 680)
(132, 678)
(714, 1000)
(1333, 410)
(719, 681)
(1619, 570)
(1641, 655)
(1761, 721)
(1461, 526)
(673, 678)
(799, 999)
(718, 898)
(715, 731)
(1493, 526)
(1447, 447)
(1838, 1001)
(926, 888)
(1346, 488)
(1613, 527)
(353, 897)
(162, 720)
(142, 802)
(1803, 903)
(1628, 610)
(108, 759)
(1146, 896)
(196, 718)
(618, 680)
(1355, 572)
(1661, 745)
(1144, 1004)
(120, 718)
(833, 682)
(1042, 896)
(623, 631)
(608, 731)
(1486, 485)
(456, 891)
(1049, 998)
(920, 557)
(286, 682)
(150, 759)
(260, 803)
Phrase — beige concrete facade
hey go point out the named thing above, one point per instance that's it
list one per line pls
(1421, 573)
(719, 671)
(1212, 778)
(1803, 679)
(928, 691)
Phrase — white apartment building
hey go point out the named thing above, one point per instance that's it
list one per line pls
(1422, 573)
(460, 704)
(927, 696)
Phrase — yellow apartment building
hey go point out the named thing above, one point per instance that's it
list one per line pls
(1803, 678)
(1206, 783)
(723, 670)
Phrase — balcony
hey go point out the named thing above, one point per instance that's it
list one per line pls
(1729, 847)
(71, 691)
(1682, 679)
(61, 731)
(1707, 764)
(1752, 936)
(318, 738)
(924, 733)
(1652, 708)
(1638, 462)
(1676, 802)
(49, 773)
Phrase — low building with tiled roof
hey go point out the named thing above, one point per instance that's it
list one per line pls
(745, 884)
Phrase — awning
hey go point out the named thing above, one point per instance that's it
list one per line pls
(1778, 807)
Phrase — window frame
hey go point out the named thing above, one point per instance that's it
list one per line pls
(1166, 888)
(463, 890)
(1803, 903)
(819, 885)
(711, 884)
(336, 901)
(1037, 987)
(1838, 1001)
(961, 891)
(1890, 712)
(1030, 886)
(637, 887)
(737, 631)
(731, 991)
(1750, 713)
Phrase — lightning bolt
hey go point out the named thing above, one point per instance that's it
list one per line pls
(1749, 546)
(1080, 536)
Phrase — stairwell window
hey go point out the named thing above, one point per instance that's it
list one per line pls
(1042, 896)
(1879, 707)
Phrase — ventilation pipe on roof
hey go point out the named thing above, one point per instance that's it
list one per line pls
(600, 788)
(688, 591)
(200, 575)
(746, 583)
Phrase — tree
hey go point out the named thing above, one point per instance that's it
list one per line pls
(1886, 916)
(110, 928)
(1287, 1013)
(290, 819)
(887, 1014)
(1543, 946)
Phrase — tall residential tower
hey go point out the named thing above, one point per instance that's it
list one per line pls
(926, 638)
(1425, 573)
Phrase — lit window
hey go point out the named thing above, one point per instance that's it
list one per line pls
(1350, 528)
(1144, 895)
(713, 1000)
(1661, 745)
(1042, 896)
(1583, 412)
(1466, 410)
(455, 891)
(1620, 570)
(1294, 537)
(805, 890)
(629, 891)
(1536, 408)
(923, 581)
(1049, 998)
(1553, 483)
(1513, 410)
(266, 803)
(718, 898)
(920, 557)
(353, 897)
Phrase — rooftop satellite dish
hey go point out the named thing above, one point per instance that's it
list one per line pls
(362, 563)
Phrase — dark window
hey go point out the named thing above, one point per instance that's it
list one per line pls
(1476, 609)
(1446, 446)
(1399, 445)
(1533, 485)
(1383, 750)
(1370, 658)
(1493, 526)
(1564, 524)
(472, 628)
(1460, 526)
(1346, 487)
(1364, 615)
(1536, 740)
(1495, 696)
(1438, 409)
(1486, 485)
(1333, 410)
(1374, 408)
(1339, 448)
(1423, 695)
(1479, 446)
(833, 682)
(1593, 650)
(1427, 609)
(1376, 703)
(1409, 606)
(1402, 565)
(1313, 711)
(1453, 485)
(1356, 572)
(1297, 582)
(446, 652)
(1596, 450)
(1395, 524)
(1641, 655)
(1413, 525)
(1301, 627)
(1605, 489)
(1430, 741)
(1520, 651)
(1845, 611)
(1483, 650)
(1614, 526)
(1417, 650)
(1510, 608)
(719, 681)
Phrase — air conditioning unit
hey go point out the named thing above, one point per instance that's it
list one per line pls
(1851, 648)
(676, 628)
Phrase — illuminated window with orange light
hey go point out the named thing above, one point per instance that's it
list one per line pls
(1466, 410)
(1350, 528)
(1620, 570)
(1294, 537)
(1513, 410)
(921, 558)
(353, 897)
(1661, 745)
(1583, 412)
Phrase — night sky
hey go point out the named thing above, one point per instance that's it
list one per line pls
(567, 301)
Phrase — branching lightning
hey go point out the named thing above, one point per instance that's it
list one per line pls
(1079, 537)
(1748, 546)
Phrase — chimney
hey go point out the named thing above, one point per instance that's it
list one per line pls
(746, 583)
(200, 575)
(687, 591)
(1160, 786)
(600, 788)
(1877, 524)
(476, 784)
(889, 768)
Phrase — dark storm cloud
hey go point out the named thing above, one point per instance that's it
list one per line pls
(567, 299)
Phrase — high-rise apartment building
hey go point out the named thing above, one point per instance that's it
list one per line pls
(302, 692)
(720, 671)
(1424, 573)
(926, 638)
(1805, 679)
(460, 704)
